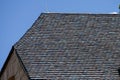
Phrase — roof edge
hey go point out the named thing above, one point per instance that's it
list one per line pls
(79, 13)
(7, 60)
(33, 24)
(21, 64)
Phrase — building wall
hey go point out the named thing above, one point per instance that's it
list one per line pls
(13, 68)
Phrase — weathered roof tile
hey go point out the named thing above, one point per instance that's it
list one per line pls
(72, 47)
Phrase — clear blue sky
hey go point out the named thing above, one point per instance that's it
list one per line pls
(17, 16)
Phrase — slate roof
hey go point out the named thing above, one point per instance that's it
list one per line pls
(61, 46)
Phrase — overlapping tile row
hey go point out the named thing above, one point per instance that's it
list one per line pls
(72, 47)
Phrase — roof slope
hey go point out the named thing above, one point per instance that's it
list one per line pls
(72, 47)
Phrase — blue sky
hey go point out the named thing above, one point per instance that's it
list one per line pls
(17, 16)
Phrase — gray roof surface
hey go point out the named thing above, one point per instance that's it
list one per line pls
(72, 47)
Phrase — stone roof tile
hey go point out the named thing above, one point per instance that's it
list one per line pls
(72, 47)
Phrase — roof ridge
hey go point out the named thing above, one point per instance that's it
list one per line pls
(80, 13)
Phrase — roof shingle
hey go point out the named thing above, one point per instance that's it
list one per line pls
(72, 47)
